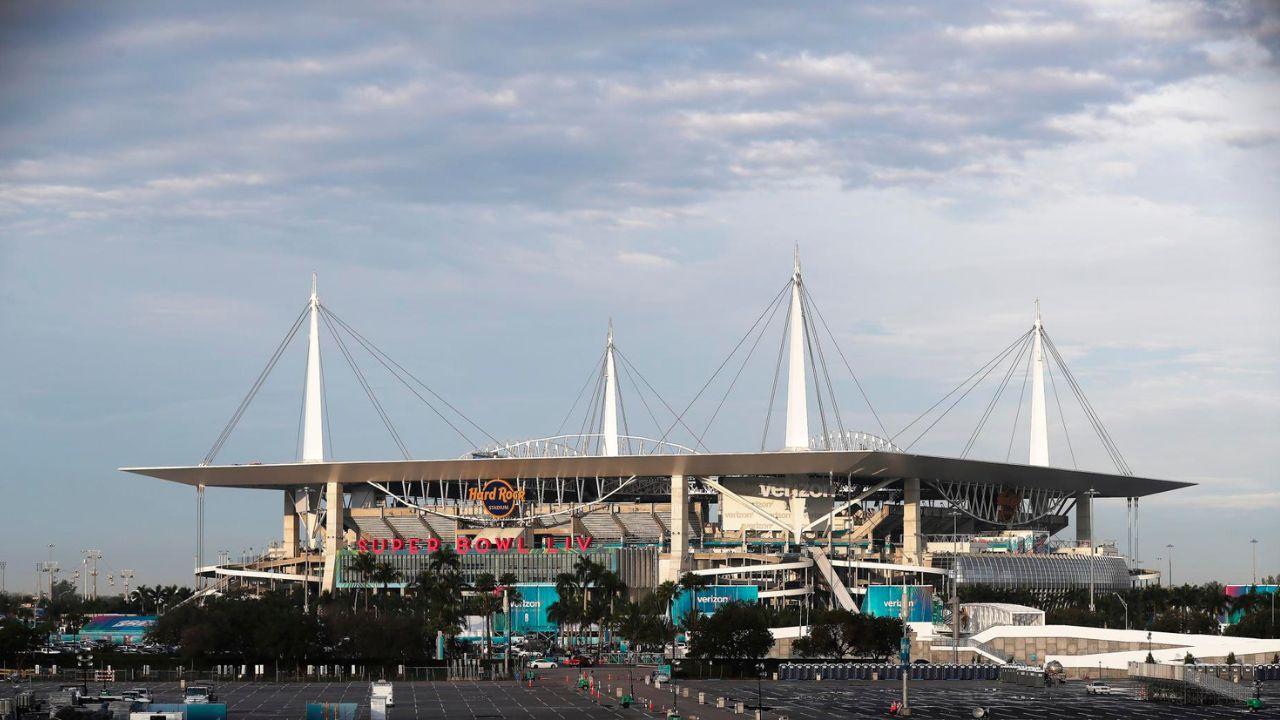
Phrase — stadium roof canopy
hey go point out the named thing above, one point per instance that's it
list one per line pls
(871, 466)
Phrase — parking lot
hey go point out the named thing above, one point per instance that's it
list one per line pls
(555, 697)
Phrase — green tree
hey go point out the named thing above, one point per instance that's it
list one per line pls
(17, 639)
(736, 632)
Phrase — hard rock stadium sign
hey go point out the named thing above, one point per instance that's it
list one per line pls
(466, 545)
(498, 497)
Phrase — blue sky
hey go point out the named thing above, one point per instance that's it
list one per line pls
(482, 186)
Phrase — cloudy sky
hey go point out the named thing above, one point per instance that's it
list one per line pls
(481, 186)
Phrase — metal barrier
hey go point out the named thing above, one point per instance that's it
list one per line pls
(883, 671)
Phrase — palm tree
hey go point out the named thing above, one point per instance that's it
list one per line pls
(363, 565)
(384, 573)
(487, 604)
(693, 583)
(666, 595)
(510, 594)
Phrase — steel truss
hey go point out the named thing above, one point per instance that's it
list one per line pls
(1002, 504)
(578, 446)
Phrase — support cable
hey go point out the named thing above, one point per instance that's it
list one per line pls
(574, 406)
(387, 362)
(368, 391)
(253, 391)
(622, 406)
(822, 361)
(1013, 431)
(588, 426)
(742, 366)
(988, 367)
(865, 398)
(643, 379)
(1105, 437)
(640, 394)
(817, 383)
(785, 287)
(777, 370)
(1062, 417)
(1098, 426)
(986, 415)
(963, 383)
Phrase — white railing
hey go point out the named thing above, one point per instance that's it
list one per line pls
(1190, 675)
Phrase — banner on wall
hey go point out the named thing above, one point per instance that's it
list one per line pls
(886, 601)
(710, 598)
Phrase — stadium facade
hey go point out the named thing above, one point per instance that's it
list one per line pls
(822, 520)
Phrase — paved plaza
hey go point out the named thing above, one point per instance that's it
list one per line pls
(555, 696)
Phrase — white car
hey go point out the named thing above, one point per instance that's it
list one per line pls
(543, 664)
(1097, 687)
(383, 688)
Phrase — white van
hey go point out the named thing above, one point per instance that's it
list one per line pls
(198, 695)
(383, 689)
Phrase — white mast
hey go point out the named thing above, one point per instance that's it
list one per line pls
(610, 429)
(1039, 417)
(313, 400)
(797, 397)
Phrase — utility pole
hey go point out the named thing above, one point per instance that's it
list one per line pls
(3, 565)
(1170, 549)
(1091, 493)
(905, 652)
(1254, 543)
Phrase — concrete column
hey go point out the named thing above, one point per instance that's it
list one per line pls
(290, 536)
(911, 543)
(1084, 519)
(675, 565)
(334, 517)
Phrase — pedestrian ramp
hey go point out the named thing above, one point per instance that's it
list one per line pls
(1186, 684)
(834, 582)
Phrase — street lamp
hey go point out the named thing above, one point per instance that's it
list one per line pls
(1091, 494)
(1126, 609)
(1254, 543)
(1170, 549)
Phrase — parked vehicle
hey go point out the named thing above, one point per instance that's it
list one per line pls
(1097, 687)
(543, 664)
(579, 661)
(137, 695)
(383, 688)
(198, 695)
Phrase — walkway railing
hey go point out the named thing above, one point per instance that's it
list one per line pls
(1189, 675)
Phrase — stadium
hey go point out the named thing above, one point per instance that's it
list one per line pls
(828, 519)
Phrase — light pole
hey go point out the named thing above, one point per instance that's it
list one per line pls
(904, 651)
(1170, 549)
(1158, 559)
(3, 565)
(1254, 543)
(1091, 494)
(1126, 609)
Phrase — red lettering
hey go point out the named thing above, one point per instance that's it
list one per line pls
(583, 542)
(520, 548)
(362, 545)
(504, 544)
(550, 545)
(415, 545)
(433, 544)
(397, 545)
(482, 545)
(463, 544)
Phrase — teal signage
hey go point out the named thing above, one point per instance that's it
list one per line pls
(529, 614)
(886, 601)
(710, 599)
